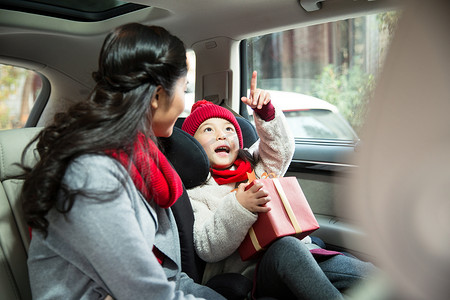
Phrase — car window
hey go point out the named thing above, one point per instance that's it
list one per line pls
(190, 92)
(19, 88)
(319, 123)
(335, 64)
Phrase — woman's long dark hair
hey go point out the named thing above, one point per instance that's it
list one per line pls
(133, 61)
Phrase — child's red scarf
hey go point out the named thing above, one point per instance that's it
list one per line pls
(152, 174)
(230, 176)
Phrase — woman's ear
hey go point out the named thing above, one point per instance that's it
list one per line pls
(159, 95)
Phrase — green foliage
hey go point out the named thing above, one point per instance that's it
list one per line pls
(348, 89)
(351, 88)
(9, 80)
(5, 122)
(388, 21)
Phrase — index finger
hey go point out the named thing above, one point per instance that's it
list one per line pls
(253, 82)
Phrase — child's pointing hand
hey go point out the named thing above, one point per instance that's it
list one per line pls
(257, 97)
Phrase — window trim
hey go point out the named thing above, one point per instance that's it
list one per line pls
(40, 102)
(324, 155)
(243, 80)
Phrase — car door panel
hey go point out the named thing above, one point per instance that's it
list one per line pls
(324, 171)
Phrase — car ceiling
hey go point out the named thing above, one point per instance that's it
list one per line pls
(24, 37)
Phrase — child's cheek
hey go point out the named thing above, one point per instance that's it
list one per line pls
(207, 144)
(234, 140)
(232, 137)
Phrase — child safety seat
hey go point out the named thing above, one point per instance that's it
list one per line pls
(191, 162)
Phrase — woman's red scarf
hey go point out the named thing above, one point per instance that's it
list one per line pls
(152, 174)
(229, 176)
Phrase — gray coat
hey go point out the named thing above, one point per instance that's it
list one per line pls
(103, 246)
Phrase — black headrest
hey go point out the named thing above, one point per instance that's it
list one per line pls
(249, 134)
(188, 157)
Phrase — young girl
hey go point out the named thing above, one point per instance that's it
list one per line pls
(223, 215)
(97, 201)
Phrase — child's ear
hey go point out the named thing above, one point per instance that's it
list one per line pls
(157, 98)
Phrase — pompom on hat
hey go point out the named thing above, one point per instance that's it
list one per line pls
(203, 110)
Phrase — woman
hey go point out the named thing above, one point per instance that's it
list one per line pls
(97, 199)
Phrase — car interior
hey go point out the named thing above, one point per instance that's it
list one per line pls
(382, 197)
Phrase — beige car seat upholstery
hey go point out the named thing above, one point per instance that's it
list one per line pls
(14, 234)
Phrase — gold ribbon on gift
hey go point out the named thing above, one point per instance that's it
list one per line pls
(268, 175)
(287, 205)
(288, 209)
(254, 239)
(252, 176)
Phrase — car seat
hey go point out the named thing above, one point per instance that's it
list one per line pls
(192, 164)
(14, 235)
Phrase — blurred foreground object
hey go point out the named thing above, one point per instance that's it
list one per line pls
(402, 190)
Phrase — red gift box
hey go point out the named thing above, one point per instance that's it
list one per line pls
(290, 214)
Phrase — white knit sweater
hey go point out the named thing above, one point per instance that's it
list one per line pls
(221, 222)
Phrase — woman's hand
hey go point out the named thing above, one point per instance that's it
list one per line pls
(254, 198)
(257, 97)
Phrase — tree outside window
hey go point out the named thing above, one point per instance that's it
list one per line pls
(19, 89)
(337, 62)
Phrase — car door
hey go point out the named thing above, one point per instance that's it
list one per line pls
(335, 63)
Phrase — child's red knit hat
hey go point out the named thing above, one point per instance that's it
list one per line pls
(203, 110)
